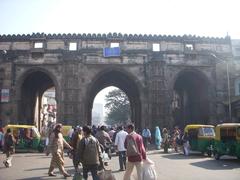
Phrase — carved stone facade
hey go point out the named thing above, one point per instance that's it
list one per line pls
(165, 87)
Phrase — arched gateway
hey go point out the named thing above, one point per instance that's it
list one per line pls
(151, 70)
(124, 81)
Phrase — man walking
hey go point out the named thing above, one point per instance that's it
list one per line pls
(135, 152)
(89, 153)
(119, 142)
(146, 134)
(105, 140)
(9, 147)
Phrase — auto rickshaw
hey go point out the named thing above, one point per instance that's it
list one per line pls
(28, 138)
(201, 138)
(227, 140)
(66, 131)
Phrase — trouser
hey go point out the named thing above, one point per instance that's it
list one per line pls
(122, 159)
(165, 146)
(186, 148)
(57, 160)
(129, 169)
(93, 169)
(8, 159)
(74, 159)
(145, 142)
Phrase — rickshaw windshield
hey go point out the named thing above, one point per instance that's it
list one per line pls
(208, 131)
(238, 131)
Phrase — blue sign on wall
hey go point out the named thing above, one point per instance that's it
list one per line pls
(111, 52)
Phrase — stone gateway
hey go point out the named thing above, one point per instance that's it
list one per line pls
(170, 80)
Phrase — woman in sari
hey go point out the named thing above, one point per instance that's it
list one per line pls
(158, 138)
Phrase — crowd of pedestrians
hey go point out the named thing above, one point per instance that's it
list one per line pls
(91, 147)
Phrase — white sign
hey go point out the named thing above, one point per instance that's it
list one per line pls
(5, 95)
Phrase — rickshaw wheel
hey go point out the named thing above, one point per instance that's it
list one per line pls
(209, 153)
(217, 156)
(40, 149)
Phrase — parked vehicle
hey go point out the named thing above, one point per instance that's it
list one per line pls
(201, 138)
(227, 140)
(28, 138)
(66, 132)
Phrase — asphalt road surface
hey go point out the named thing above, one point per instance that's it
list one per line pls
(172, 166)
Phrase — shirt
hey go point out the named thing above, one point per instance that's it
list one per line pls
(138, 139)
(120, 139)
(146, 133)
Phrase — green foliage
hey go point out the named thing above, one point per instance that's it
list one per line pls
(118, 107)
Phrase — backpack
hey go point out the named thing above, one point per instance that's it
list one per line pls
(9, 141)
(91, 151)
(132, 148)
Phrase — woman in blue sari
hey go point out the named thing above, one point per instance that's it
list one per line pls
(158, 137)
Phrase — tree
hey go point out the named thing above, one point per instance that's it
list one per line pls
(118, 107)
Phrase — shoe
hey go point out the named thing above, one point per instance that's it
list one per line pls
(121, 169)
(67, 175)
(51, 174)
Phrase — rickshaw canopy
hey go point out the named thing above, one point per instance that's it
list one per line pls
(228, 126)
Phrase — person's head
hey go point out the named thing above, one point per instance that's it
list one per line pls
(57, 129)
(79, 129)
(157, 127)
(120, 128)
(87, 130)
(8, 130)
(130, 128)
(102, 128)
(165, 130)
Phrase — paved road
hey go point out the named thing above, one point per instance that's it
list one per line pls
(170, 166)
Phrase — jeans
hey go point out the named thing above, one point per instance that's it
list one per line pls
(93, 169)
(122, 159)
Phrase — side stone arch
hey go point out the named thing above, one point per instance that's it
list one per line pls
(28, 88)
(192, 96)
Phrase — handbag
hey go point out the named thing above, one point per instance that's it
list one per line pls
(77, 176)
(106, 175)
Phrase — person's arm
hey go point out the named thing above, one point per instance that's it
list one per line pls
(125, 142)
(149, 133)
(108, 138)
(143, 151)
(65, 144)
(116, 140)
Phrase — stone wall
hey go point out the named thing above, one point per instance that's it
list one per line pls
(74, 71)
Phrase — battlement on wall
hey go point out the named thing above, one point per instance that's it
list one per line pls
(126, 42)
(116, 36)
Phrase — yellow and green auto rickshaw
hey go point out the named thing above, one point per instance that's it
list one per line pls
(28, 138)
(66, 132)
(227, 140)
(201, 137)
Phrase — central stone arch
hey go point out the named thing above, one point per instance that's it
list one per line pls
(121, 79)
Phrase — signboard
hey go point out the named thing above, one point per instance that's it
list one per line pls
(5, 95)
(111, 52)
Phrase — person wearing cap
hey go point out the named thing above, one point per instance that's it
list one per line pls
(76, 137)
(56, 147)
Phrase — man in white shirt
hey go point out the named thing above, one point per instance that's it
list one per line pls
(119, 142)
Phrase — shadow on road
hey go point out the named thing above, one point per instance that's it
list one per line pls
(182, 157)
(46, 168)
(211, 164)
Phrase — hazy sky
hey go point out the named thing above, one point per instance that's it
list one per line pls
(172, 17)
